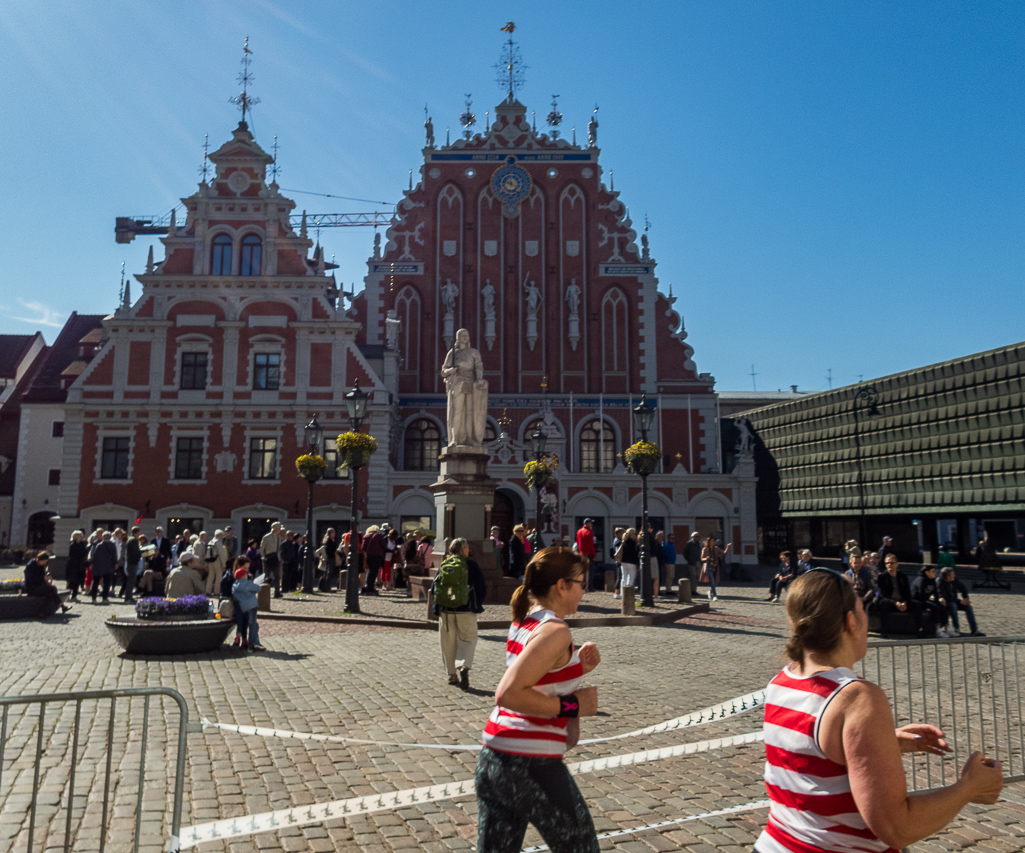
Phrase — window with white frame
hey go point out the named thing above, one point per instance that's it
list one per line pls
(266, 371)
(188, 458)
(114, 457)
(597, 448)
(252, 249)
(193, 371)
(263, 458)
(220, 255)
(336, 467)
(421, 446)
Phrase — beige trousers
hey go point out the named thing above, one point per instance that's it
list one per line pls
(458, 632)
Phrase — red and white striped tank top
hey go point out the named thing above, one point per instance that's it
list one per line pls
(812, 808)
(539, 737)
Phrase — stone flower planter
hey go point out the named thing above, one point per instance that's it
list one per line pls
(16, 605)
(169, 637)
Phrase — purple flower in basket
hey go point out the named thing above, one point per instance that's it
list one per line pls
(12, 587)
(187, 605)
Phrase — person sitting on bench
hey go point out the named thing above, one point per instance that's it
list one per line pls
(38, 582)
(895, 595)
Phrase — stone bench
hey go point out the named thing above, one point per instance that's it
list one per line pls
(23, 606)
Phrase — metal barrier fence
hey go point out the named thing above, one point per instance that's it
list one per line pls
(969, 687)
(68, 748)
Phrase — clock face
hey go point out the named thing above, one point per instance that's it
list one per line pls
(510, 184)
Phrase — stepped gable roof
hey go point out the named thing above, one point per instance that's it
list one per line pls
(12, 351)
(67, 357)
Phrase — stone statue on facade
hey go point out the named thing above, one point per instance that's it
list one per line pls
(467, 388)
(533, 294)
(745, 443)
(429, 132)
(592, 130)
(391, 329)
(487, 295)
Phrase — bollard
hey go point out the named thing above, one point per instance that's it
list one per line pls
(610, 580)
(263, 598)
(683, 594)
(629, 607)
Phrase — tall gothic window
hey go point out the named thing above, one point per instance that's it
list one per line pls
(597, 448)
(220, 255)
(422, 446)
(251, 251)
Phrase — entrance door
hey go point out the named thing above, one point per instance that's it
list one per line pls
(40, 530)
(254, 528)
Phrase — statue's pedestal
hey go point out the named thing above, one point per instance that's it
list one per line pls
(463, 497)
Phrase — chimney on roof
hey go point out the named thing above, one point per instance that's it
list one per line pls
(793, 388)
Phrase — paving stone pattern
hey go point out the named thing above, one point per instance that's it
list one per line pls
(369, 682)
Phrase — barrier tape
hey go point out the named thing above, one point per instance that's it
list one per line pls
(722, 711)
(619, 833)
(238, 827)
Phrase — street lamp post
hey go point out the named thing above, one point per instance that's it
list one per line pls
(643, 416)
(538, 441)
(866, 396)
(356, 403)
(313, 434)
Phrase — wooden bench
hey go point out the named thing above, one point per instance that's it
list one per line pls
(902, 624)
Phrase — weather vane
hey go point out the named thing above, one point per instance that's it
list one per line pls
(244, 102)
(554, 118)
(205, 168)
(468, 119)
(510, 68)
(274, 168)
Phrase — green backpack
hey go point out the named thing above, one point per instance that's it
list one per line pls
(452, 584)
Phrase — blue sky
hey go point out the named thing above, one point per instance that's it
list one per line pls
(832, 187)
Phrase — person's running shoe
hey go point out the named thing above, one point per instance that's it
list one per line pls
(952, 633)
(258, 648)
(941, 634)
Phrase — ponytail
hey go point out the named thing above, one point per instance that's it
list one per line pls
(545, 570)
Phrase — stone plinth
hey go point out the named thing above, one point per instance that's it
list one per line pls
(463, 497)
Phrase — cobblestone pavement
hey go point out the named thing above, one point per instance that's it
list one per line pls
(389, 685)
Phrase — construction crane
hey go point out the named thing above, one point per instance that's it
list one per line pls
(127, 227)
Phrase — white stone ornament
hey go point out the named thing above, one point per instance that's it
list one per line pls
(530, 248)
(572, 248)
(448, 247)
(491, 248)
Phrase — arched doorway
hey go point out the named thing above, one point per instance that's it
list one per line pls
(506, 513)
(40, 530)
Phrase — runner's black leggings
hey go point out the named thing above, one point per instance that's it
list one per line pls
(514, 790)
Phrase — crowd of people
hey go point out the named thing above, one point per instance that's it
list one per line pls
(880, 585)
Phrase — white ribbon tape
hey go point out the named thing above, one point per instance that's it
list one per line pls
(744, 807)
(305, 815)
(722, 711)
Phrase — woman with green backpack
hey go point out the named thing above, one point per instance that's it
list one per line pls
(458, 590)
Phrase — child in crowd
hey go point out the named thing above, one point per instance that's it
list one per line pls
(243, 593)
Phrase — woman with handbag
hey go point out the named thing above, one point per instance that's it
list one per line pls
(711, 559)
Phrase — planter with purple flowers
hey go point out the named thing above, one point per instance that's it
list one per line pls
(170, 626)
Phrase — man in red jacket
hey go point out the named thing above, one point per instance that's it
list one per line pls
(585, 540)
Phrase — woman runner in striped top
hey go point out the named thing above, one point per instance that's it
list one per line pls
(520, 776)
(833, 765)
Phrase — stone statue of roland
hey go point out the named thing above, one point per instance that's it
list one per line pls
(463, 372)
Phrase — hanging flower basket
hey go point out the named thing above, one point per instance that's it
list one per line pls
(537, 473)
(643, 457)
(311, 466)
(355, 448)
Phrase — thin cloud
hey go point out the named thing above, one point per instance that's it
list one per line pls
(46, 316)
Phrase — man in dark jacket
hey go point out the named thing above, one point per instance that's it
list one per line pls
(133, 556)
(692, 557)
(926, 591)
(104, 565)
(895, 596)
(37, 582)
(954, 593)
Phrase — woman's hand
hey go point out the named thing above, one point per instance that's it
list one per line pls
(919, 737)
(590, 657)
(983, 777)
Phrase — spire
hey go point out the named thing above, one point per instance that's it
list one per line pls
(243, 101)
(173, 224)
(149, 260)
(126, 295)
(509, 69)
(302, 227)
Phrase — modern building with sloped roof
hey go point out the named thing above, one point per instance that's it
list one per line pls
(933, 456)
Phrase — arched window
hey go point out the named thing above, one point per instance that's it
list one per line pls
(220, 255)
(422, 446)
(597, 448)
(251, 250)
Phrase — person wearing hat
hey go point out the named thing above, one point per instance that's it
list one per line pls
(230, 544)
(184, 580)
(886, 550)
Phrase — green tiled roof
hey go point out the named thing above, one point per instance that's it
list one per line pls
(948, 437)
